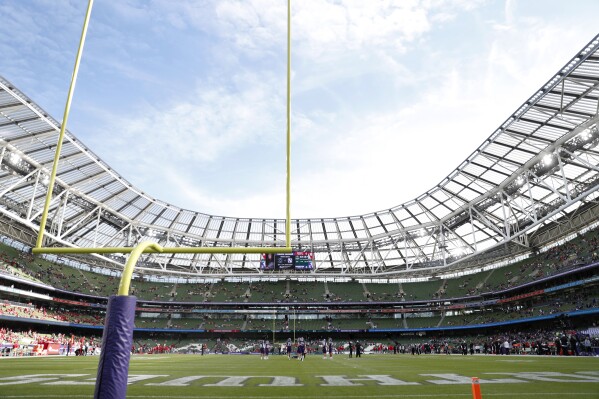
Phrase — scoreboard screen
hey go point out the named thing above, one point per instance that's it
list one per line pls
(297, 260)
(267, 262)
(304, 260)
(284, 262)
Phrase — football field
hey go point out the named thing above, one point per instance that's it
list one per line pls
(372, 376)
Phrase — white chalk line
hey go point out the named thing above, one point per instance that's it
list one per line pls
(432, 395)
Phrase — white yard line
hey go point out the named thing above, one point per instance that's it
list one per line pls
(436, 395)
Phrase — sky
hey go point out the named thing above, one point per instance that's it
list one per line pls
(186, 99)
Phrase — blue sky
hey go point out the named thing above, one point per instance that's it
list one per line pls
(186, 99)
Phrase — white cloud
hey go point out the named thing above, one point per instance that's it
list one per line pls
(194, 131)
(267, 202)
(319, 27)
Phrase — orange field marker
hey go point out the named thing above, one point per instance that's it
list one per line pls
(476, 388)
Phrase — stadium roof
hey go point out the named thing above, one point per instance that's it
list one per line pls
(538, 166)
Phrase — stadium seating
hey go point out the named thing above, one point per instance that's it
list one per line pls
(472, 284)
(226, 323)
(346, 292)
(306, 291)
(423, 322)
(383, 292)
(387, 323)
(158, 322)
(268, 291)
(422, 290)
(350, 323)
(228, 292)
(558, 259)
(29, 311)
(152, 291)
(193, 292)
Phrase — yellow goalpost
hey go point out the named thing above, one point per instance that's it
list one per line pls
(112, 375)
(148, 246)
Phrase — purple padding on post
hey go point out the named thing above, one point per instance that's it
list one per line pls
(111, 382)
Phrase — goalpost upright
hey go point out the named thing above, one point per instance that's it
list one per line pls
(111, 381)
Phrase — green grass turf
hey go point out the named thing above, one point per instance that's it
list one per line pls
(401, 367)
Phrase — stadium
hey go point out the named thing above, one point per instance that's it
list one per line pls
(493, 273)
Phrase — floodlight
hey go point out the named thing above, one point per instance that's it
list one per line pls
(45, 180)
(459, 251)
(548, 159)
(585, 135)
(14, 158)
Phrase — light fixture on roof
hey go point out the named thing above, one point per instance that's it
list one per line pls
(586, 135)
(45, 179)
(14, 158)
(520, 180)
(548, 159)
(459, 251)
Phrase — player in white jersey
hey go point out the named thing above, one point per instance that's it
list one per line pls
(261, 350)
(301, 349)
(266, 349)
(289, 345)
